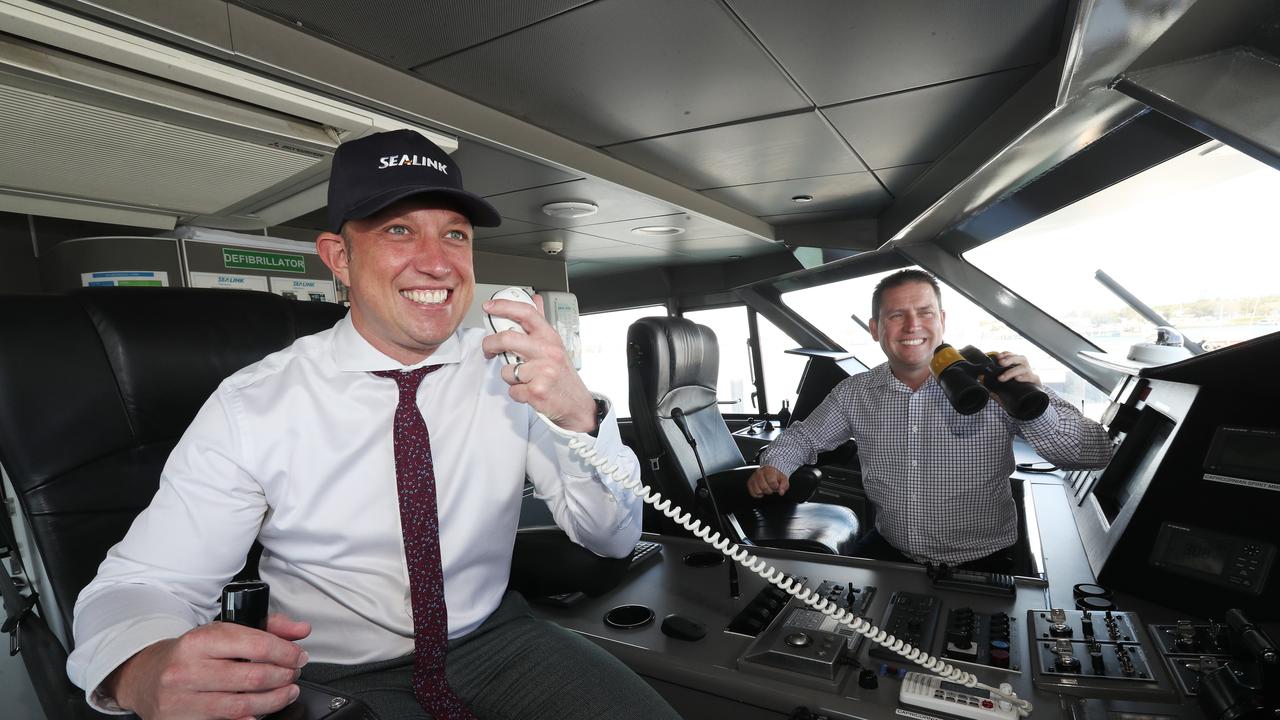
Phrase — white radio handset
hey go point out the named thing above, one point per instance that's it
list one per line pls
(497, 324)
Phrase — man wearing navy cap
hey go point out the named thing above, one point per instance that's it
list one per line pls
(380, 464)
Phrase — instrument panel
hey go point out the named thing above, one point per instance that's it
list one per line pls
(769, 653)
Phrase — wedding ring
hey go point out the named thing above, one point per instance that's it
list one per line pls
(516, 371)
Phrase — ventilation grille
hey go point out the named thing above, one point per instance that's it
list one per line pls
(66, 147)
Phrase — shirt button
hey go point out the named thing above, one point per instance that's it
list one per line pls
(913, 463)
(915, 428)
(612, 499)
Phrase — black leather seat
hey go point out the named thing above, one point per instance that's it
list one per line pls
(673, 363)
(96, 387)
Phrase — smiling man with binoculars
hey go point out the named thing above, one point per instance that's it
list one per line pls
(936, 456)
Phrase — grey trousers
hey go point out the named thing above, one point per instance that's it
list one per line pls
(513, 666)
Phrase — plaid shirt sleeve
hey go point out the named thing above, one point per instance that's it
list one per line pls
(1064, 437)
(826, 427)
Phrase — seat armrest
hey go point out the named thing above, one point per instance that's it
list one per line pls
(46, 664)
(804, 483)
(730, 487)
(546, 562)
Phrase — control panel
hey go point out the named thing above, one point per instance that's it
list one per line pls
(1237, 563)
(973, 581)
(983, 639)
(1093, 655)
(912, 618)
(758, 614)
(1191, 650)
(1231, 669)
(809, 645)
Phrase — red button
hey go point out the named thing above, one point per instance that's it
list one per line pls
(988, 704)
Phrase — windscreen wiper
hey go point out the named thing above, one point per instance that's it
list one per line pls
(861, 324)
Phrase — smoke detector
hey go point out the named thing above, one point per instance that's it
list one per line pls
(570, 209)
(553, 247)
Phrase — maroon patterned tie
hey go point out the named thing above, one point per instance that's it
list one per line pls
(420, 522)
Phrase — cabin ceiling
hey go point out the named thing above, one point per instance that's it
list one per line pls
(748, 102)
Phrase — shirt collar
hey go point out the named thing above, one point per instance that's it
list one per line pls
(352, 353)
(882, 376)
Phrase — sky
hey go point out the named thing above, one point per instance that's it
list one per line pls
(1203, 225)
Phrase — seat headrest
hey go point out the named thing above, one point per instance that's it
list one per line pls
(679, 360)
(126, 367)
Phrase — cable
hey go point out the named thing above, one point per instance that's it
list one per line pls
(733, 551)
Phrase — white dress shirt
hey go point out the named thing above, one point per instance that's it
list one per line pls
(296, 450)
(939, 480)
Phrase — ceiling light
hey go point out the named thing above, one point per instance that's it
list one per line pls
(570, 210)
(802, 198)
(657, 230)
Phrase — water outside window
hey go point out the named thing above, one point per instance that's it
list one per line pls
(604, 352)
(1195, 238)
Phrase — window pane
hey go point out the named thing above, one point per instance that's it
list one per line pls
(1195, 238)
(604, 352)
(734, 382)
(829, 308)
(781, 371)
(965, 323)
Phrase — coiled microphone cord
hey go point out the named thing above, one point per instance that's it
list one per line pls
(735, 552)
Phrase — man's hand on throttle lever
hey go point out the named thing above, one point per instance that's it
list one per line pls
(200, 674)
(767, 480)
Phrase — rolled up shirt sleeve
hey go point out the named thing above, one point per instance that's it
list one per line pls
(826, 427)
(592, 507)
(1065, 437)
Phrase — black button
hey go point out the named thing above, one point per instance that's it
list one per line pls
(798, 639)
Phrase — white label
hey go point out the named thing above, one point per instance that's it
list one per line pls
(304, 289)
(228, 281)
(915, 715)
(1256, 484)
(121, 278)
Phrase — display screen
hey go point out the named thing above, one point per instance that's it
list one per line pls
(953, 687)
(1192, 553)
(1249, 453)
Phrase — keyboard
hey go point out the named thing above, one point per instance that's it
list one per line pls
(642, 554)
(973, 581)
(910, 617)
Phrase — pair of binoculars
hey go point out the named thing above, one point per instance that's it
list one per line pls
(969, 378)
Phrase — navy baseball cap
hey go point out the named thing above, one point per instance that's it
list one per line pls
(372, 172)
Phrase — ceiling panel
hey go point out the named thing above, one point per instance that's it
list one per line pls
(920, 125)
(622, 252)
(695, 228)
(615, 203)
(406, 33)
(774, 149)
(898, 179)
(508, 227)
(893, 45)
(801, 218)
(853, 193)
(618, 70)
(579, 269)
(487, 171)
(530, 244)
(728, 248)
